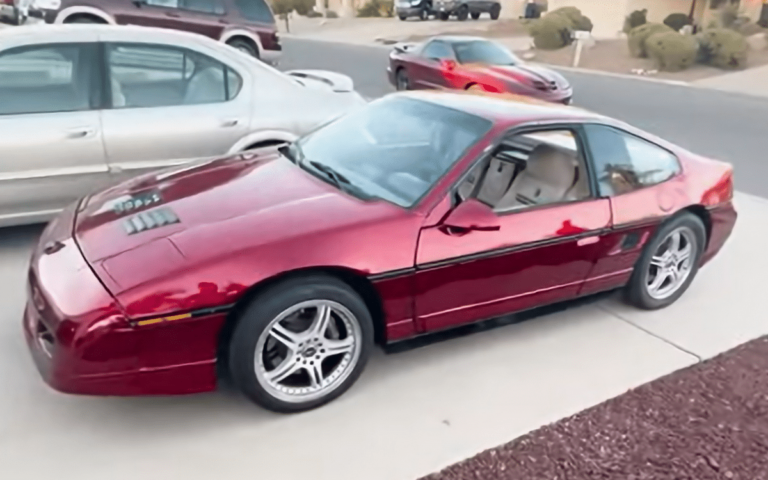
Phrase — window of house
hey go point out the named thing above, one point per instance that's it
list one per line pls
(144, 75)
(46, 78)
(255, 10)
(624, 163)
(528, 170)
(438, 51)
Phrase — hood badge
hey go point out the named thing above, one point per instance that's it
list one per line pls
(149, 220)
(136, 202)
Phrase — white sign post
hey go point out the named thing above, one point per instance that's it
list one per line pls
(579, 36)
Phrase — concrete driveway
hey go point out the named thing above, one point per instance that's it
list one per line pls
(412, 412)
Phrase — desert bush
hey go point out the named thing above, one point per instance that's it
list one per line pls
(331, 14)
(303, 7)
(672, 51)
(551, 32)
(635, 19)
(723, 48)
(282, 7)
(377, 8)
(638, 35)
(676, 21)
(577, 19)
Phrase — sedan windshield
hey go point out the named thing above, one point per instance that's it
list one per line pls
(394, 149)
(479, 51)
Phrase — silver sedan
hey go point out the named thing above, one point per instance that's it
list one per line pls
(84, 106)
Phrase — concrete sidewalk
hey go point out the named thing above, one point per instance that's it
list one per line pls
(753, 81)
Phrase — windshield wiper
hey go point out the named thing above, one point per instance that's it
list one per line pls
(291, 152)
(338, 179)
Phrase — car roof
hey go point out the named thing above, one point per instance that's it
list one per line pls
(505, 109)
(61, 32)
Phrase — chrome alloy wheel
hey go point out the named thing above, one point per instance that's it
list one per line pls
(671, 264)
(308, 351)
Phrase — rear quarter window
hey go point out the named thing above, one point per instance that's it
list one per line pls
(255, 10)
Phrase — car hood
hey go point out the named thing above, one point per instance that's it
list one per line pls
(530, 75)
(261, 186)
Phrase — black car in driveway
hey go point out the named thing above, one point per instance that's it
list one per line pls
(413, 8)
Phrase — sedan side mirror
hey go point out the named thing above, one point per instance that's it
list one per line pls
(471, 215)
(447, 64)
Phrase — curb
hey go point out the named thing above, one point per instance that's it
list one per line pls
(585, 71)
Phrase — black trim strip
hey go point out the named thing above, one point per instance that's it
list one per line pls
(212, 310)
(401, 272)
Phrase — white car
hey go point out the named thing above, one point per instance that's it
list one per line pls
(84, 106)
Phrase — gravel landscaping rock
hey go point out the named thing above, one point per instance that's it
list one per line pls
(709, 421)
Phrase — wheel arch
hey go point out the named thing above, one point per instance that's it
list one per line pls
(78, 11)
(352, 278)
(703, 214)
(262, 138)
(236, 34)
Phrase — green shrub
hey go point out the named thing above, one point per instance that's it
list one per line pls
(676, 21)
(303, 7)
(723, 48)
(282, 7)
(672, 51)
(638, 35)
(331, 14)
(551, 32)
(635, 19)
(376, 8)
(577, 19)
(728, 15)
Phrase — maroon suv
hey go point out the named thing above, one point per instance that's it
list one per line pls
(247, 25)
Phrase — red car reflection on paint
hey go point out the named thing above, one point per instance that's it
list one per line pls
(465, 63)
(420, 212)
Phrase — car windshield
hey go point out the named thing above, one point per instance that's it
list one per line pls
(394, 149)
(479, 51)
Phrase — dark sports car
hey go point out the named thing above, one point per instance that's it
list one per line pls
(464, 63)
(420, 212)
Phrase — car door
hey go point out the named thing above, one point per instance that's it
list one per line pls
(643, 181)
(170, 105)
(205, 17)
(427, 71)
(538, 254)
(51, 149)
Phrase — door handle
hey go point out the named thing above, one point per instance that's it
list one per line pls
(587, 241)
(81, 132)
(231, 122)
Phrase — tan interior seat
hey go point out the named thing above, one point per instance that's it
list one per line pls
(496, 181)
(548, 178)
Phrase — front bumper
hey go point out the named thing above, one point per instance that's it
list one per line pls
(408, 11)
(82, 343)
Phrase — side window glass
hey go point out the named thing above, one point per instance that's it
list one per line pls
(533, 169)
(144, 76)
(213, 7)
(625, 163)
(438, 51)
(255, 10)
(163, 3)
(45, 79)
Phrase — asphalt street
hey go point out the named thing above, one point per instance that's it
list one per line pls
(417, 411)
(726, 126)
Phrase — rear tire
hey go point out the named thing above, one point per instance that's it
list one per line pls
(424, 14)
(443, 16)
(495, 11)
(286, 314)
(463, 13)
(475, 15)
(244, 47)
(655, 262)
(85, 19)
(402, 17)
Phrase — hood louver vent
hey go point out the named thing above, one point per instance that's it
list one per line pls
(149, 220)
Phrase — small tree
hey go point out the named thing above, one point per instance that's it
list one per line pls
(282, 8)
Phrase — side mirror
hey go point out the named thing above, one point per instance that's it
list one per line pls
(447, 64)
(471, 215)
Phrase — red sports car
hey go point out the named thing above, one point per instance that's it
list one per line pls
(420, 212)
(464, 63)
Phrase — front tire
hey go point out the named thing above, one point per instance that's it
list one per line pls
(402, 17)
(401, 80)
(475, 15)
(301, 344)
(495, 11)
(443, 16)
(424, 14)
(668, 264)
